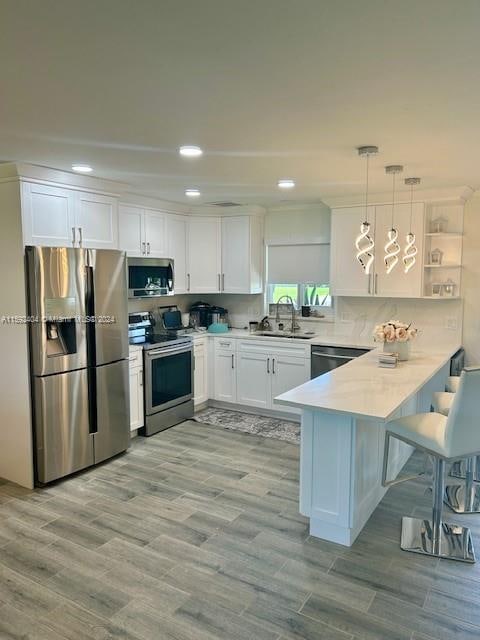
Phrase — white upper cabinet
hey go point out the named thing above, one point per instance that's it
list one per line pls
(155, 233)
(130, 230)
(347, 278)
(242, 255)
(48, 215)
(54, 216)
(398, 284)
(204, 263)
(177, 249)
(142, 232)
(96, 221)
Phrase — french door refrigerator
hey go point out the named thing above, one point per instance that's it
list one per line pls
(79, 357)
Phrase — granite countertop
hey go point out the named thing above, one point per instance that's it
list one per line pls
(361, 388)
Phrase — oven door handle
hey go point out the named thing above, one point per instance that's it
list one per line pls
(153, 353)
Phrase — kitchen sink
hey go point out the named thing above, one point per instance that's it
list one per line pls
(286, 334)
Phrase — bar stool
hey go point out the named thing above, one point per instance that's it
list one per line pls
(445, 438)
(459, 467)
(465, 497)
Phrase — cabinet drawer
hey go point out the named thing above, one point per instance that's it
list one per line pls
(275, 347)
(135, 357)
(225, 344)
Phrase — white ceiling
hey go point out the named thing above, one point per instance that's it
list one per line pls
(269, 89)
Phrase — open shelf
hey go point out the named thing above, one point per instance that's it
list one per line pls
(442, 266)
(446, 234)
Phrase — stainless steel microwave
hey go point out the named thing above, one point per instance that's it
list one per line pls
(150, 277)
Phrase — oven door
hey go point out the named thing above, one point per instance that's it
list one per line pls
(168, 377)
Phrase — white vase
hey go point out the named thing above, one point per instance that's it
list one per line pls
(402, 348)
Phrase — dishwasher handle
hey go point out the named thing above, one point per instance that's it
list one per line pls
(333, 356)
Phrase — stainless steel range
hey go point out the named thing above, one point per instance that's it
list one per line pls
(168, 373)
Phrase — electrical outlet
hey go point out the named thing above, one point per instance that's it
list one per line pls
(345, 316)
(451, 323)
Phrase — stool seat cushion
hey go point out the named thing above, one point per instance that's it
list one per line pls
(442, 402)
(427, 430)
(452, 384)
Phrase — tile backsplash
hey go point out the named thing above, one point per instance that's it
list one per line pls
(439, 321)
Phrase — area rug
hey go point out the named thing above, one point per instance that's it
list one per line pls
(250, 423)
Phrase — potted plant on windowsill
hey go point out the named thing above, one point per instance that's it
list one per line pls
(396, 337)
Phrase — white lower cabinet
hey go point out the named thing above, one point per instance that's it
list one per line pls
(200, 374)
(288, 372)
(136, 388)
(253, 379)
(264, 372)
(225, 373)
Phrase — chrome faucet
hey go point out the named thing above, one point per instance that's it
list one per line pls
(277, 314)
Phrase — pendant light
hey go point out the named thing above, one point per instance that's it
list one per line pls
(392, 248)
(364, 241)
(410, 251)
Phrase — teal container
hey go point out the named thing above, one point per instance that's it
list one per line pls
(218, 327)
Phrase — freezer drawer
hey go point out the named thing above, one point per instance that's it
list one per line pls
(63, 443)
(112, 410)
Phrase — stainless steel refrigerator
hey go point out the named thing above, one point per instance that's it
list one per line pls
(79, 357)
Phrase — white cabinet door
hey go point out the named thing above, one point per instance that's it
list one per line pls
(155, 235)
(48, 215)
(253, 379)
(200, 378)
(177, 249)
(236, 254)
(398, 284)
(131, 234)
(96, 218)
(287, 373)
(347, 277)
(225, 376)
(136, 398)
(204, 255)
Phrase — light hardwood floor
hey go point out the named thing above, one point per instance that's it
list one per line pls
(194, 534)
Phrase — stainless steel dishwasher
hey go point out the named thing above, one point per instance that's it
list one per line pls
(326, 358)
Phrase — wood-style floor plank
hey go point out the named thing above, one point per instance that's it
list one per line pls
(195, 534)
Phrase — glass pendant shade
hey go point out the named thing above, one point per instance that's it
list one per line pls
(364, 242)
(410, 251)
(392, 248)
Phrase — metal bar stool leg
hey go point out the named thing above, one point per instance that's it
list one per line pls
(437, 538)
(465, 497)
(459, 469)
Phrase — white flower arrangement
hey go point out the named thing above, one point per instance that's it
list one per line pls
(394, 331)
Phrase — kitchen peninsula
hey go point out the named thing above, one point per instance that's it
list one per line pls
(342, 438)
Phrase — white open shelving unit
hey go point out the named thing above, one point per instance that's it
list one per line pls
(448, 241)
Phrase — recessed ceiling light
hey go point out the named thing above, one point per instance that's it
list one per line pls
(192, 193)
(286, 184)
(82, 168)
(190, 151)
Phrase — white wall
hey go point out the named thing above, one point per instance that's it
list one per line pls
(16, 449)
(471, 281)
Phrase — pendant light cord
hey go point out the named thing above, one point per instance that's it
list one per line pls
(393, 197)
(411, 206)
(366, 191)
